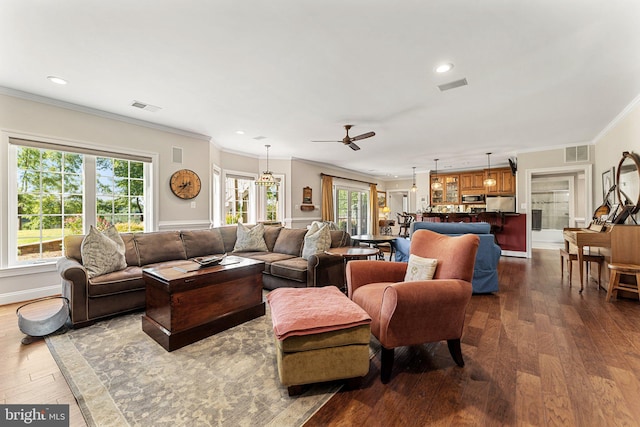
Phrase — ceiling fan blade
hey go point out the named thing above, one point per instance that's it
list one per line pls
(325, 141)
(354, 147)
(363, 136)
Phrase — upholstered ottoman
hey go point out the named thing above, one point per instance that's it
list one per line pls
(321, 335)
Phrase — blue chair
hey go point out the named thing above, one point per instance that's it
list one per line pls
(485, 272)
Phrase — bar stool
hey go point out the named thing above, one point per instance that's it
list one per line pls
(614, 282)
(568, 257)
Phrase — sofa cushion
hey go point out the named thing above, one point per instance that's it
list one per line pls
(271, 233)
(452, 227)
(290, 241)
(250, 238)
(292, 269)
(339, 238)
(267, 257)
(116, 282)
(202, 242)
(130, 251)
(229, 234)
(159, 246)
(103, 253)
(316, 240)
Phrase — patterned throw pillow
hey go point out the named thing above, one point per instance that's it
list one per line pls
(317, 239)
(420, 268)
(103, 253)
(250, 239)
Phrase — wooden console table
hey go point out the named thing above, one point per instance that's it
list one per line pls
(186, 303)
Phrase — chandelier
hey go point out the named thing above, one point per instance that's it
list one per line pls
(266, 178)
(414, 187)
(436, 184)
(489, 182)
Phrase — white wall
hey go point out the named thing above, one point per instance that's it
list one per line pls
(39, 120)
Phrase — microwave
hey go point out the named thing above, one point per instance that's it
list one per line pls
(473, 198)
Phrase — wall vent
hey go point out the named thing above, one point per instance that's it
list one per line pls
(579, 153)
(144, 106)
(452, 85)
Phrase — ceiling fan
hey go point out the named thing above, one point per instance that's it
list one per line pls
(348, 140)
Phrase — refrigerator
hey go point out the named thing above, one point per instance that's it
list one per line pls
(501, 203)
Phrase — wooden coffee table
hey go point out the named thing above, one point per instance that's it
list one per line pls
(186, 304)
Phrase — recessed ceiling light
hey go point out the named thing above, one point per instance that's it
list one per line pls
(240, 132)
(57, 80)
(443, 68)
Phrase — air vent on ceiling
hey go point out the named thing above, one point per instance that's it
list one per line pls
(258, 138)
(579, 153)
(143, 106)
(452, 85)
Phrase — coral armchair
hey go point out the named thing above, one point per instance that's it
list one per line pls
(417, 312)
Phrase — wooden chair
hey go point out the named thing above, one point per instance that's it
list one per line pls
(495, 219)
(617, 270)
(568, 258)
(404, 221)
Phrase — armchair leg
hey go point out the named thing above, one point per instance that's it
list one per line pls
(386, 364)
(456, 351)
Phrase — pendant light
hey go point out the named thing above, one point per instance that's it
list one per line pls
(436, 184)
(414, 187)
(266, 178)
(489, 182)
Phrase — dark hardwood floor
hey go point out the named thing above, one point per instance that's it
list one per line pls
(537, 353)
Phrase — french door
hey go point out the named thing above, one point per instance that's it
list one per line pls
(352, 210)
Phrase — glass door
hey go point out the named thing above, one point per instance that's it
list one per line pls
(352, 210)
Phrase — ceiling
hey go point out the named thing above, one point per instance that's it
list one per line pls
(540, 74)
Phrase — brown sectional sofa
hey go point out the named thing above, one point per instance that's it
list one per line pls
(124, 291)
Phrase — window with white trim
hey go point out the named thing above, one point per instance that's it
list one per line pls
(271, 201)
(53, 188)
(239, 198)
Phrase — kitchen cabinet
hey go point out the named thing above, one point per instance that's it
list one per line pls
(449, 194)
(505, 182)
(472, 183)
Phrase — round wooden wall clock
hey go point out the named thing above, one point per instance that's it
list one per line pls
(185, 184)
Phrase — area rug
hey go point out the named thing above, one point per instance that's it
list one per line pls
(121, 377)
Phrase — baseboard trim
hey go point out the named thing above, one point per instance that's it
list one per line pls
(29, 294)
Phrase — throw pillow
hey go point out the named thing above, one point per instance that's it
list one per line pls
(317, 239)
(420, 268)
(250, 239)
(102, 253)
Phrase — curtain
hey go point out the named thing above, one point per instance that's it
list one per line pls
(327, 198)
(373, 206)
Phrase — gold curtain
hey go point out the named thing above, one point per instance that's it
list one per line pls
(327, 198)
(373, 206)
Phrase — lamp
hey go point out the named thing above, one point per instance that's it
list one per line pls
(414, 188)
(267, 177)
(436, 184)
(385, 212)
(489, 182)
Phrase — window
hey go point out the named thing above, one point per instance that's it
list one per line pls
(59, 190)
(119, 194)
(271, 201)
(352, 210)
(49, 201)
(239, 199)
(216, 196)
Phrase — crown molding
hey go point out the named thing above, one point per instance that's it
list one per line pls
(100, 113)
(617, 119)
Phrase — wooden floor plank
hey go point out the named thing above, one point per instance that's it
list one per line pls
(537, 353)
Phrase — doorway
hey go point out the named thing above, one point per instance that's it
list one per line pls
(558, 198)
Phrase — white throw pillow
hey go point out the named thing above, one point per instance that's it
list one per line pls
(420, 268)
(317, 240)
(102, 253)
(250, 239)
